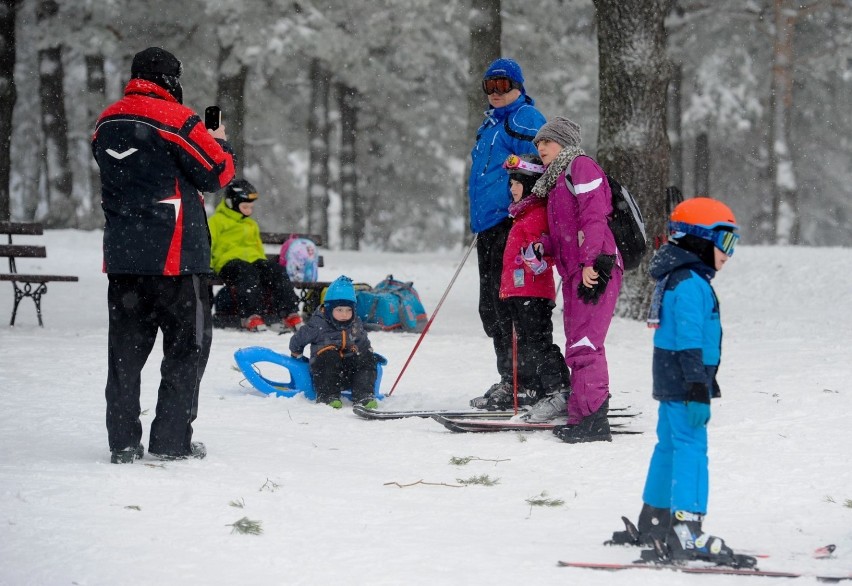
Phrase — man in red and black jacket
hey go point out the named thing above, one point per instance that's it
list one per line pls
(156, 158)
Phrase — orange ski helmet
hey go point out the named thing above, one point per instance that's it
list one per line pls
(705, 212)
(708, 219)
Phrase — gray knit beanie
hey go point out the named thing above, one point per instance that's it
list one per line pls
(560, 130)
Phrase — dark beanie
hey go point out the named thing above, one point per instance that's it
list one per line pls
(161, 67)
(155, 60)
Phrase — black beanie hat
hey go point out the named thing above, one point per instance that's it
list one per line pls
(155, 60)
(161, 67)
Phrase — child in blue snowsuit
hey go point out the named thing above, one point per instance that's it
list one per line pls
(341, 354)
(687, 350)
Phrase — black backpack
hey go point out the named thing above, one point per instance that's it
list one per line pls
(626, 224)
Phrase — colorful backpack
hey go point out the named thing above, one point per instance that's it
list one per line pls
(391, 305)
(299, 256)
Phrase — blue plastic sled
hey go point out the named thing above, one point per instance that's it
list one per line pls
(300, 373)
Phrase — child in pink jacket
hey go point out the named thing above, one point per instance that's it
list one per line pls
(527, 289)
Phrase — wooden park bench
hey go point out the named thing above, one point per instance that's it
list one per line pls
(26, 284)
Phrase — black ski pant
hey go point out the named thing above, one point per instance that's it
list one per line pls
(495, 315)
(251, 280)
(332, 373)
(541, 366)
(139, 307)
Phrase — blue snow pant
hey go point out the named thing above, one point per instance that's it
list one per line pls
(677, 476)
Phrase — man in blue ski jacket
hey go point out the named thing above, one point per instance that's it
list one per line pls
(509, 127)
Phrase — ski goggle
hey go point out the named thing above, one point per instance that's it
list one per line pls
(513, 162)
(724, 240)
(498, 85)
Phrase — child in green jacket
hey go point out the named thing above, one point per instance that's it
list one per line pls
(237, 256)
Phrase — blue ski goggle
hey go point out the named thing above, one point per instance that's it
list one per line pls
(724, 240)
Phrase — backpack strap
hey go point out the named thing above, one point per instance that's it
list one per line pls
(570, 185)
(515, 134)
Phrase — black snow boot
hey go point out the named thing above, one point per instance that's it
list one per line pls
(594, 428)
(197, 451)
(127, 455)
(685, 541)
(653, 523)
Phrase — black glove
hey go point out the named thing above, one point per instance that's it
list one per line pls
(698, 404)
(603, 266)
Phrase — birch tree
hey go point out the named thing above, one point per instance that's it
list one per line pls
(351, 216)
(318, 150)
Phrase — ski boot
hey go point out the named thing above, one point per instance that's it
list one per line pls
(685, 542)
(653, 523)
(593, 428)
(547, 409)
(500, 396)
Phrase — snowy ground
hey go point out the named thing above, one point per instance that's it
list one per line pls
(320, 480)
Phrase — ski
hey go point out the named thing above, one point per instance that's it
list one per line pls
(692, 569)
(366, 413)
(677, 568)
(632, 537)
(485, 425)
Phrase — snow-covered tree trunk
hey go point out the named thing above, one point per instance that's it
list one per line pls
(95, 103)
(352, 218)
(8, 95)
(632, 141)
(61, 212)
(785, 213)
(318, 150)
(485, 28)
(230, 97)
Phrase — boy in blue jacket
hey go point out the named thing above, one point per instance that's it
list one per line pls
(687, 351)
(341, 354)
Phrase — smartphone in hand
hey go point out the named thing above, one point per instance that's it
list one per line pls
(212, 117)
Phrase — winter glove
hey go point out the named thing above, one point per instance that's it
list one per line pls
(603, 267)
(533, 259)
(299, 356)
(698, 405)
(717, 392)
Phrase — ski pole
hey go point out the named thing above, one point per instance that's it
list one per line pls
(515, 366)
(434, 313)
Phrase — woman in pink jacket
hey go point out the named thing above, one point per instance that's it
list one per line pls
(579, 203)
(527, 288)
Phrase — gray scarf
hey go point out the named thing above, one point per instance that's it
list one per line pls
(562, 162)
